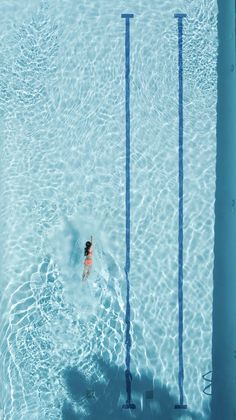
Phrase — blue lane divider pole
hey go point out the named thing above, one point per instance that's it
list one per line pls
(128, 377)
(181, 404)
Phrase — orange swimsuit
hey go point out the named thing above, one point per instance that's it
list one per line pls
(89, 261)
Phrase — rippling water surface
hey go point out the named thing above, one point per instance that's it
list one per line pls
(62, 179)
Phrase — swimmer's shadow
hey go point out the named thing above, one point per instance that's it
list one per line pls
(104, 401)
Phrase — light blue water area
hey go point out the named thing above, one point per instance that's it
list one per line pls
(62, 172)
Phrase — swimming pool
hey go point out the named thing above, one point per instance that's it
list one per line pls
(63, 107)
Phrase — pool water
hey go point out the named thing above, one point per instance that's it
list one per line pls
(62, 116)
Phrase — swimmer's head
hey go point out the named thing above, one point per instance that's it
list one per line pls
(87, 247)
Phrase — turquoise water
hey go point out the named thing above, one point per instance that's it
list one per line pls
(62, 179)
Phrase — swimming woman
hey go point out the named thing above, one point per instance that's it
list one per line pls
(88, 252)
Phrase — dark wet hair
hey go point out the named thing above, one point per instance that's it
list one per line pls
(87, 246)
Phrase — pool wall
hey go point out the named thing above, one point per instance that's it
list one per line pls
(224, 308)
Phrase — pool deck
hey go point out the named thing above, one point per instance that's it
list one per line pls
(224, 295)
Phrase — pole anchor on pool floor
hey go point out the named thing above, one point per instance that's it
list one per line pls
(181, 404)
(128, 377)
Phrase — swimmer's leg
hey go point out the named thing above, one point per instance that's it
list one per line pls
(85, 273)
